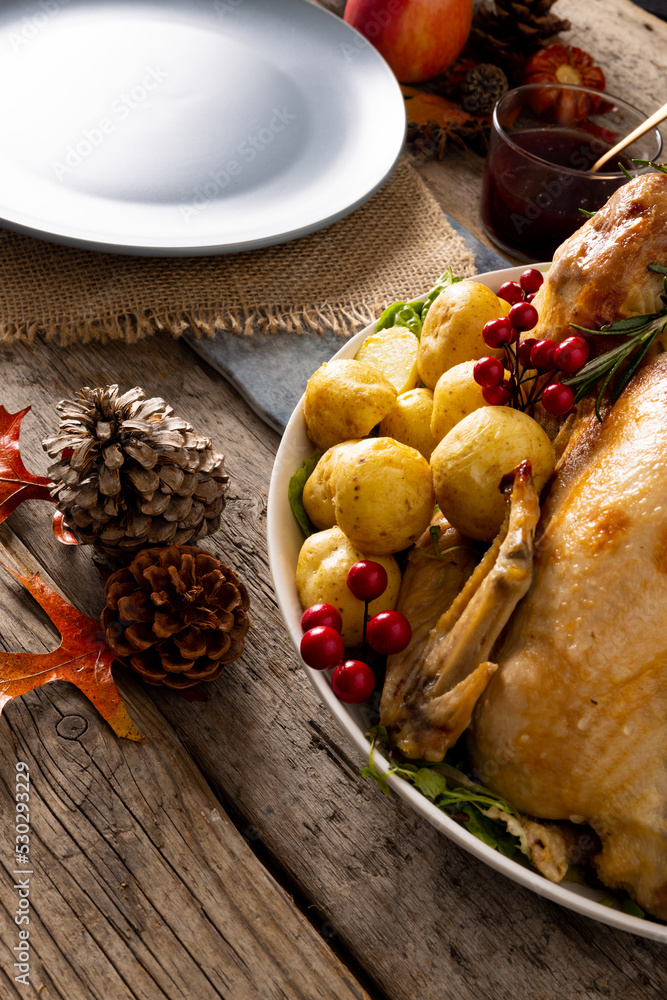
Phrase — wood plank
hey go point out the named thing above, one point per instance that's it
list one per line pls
(141, 888)
(422, 917)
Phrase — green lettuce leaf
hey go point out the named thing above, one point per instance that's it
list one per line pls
(295, 495)
(402, 314)
(412, 314)
(486, 815)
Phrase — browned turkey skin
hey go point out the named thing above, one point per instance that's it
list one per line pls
(601, 273)
(575, 719)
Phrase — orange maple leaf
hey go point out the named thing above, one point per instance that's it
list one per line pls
(83, 658)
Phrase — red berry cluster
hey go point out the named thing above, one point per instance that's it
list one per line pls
(528, 374)
(322, 647)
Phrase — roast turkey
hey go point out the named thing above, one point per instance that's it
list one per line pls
(575, 718)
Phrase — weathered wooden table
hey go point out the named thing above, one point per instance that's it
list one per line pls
(238, 853)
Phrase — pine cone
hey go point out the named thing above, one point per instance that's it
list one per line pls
(175, 615)
(512, 29)
(130, 474)
(482, 86)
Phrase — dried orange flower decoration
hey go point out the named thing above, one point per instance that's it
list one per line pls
(564, 64)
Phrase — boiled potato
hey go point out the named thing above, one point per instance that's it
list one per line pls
(410, 421)
(345, 399)
(383, 495)
(453, 326)
(321, 576)
(456, 395)
(318, 491)
(394, 353)
(470, 462)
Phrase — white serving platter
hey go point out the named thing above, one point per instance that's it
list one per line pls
(284, 543)
(188, 126)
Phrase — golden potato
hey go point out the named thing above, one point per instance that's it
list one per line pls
(383, 495)
(345, 399)
(318, 491)
(321, 576)
(394, 353)
(453, 326)
(456, 395)
(469, 464)
(410, 421)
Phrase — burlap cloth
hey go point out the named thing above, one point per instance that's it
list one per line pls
(393, 247)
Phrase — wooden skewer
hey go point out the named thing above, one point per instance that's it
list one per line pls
(655, 119)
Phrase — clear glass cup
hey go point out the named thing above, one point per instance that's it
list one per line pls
(544, 139)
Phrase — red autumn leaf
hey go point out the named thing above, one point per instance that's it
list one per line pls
(62, 533)
(16, 483)
(83, 658)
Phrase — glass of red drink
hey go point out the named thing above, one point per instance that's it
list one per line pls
(544, 139)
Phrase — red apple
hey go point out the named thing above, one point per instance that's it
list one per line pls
(418, 38)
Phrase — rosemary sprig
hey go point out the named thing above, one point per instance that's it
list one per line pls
(640, 331)
(662, 167)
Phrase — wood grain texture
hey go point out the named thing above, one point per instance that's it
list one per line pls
(423, 918)
(142, 888)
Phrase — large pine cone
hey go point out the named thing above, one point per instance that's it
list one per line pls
(508, 31)
(130, 474)
(176, 615)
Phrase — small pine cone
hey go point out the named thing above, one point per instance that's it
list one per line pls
(175, 615)
(482, 86)
(130, 474)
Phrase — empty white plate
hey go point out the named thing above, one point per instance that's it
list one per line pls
(188, 126)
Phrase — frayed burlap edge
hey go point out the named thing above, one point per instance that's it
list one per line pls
(339, 317)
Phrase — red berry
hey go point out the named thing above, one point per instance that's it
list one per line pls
(557, 398)
(497, 395)
(571, 355)
(525, 347)
(367, 580)
(388, 632)
(542, 355)
(353, 682)
(498, 332)
(488, 371)
(511, 291)
(322, 647)
(523, 316)
(322, 614)
(529, 298)
(531, 280)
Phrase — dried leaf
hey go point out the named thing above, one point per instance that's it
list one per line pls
(424, 108)
(16, 483)
(62, 533)
(83, 658)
